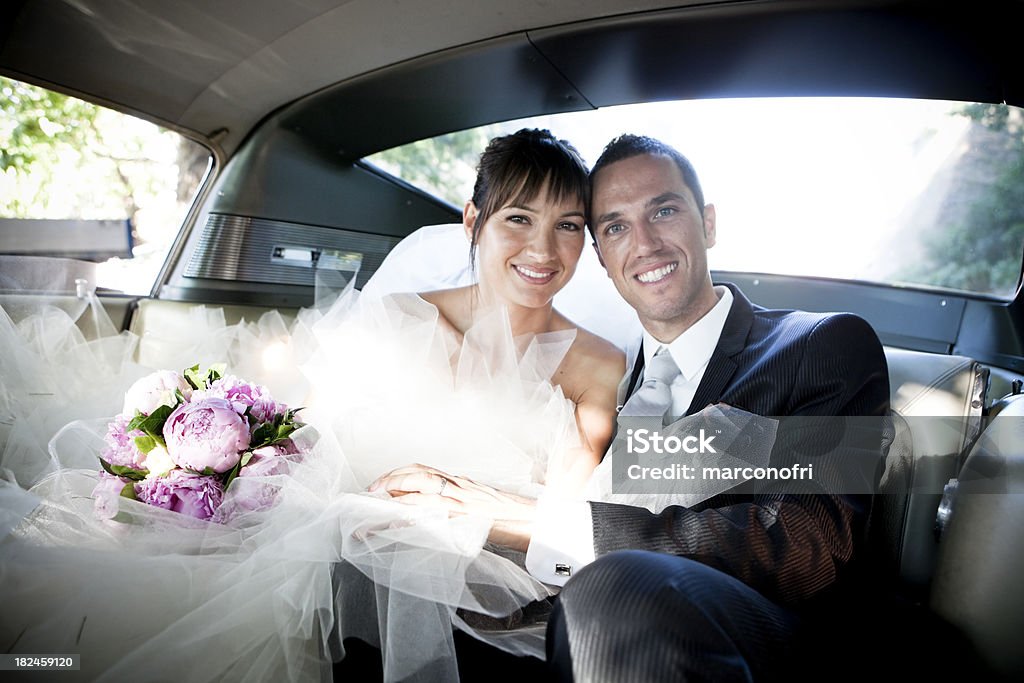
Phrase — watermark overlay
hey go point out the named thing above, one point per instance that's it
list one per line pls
(724, 450)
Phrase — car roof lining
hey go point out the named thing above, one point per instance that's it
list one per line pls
(218, 69)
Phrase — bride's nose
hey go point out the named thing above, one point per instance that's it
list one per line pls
(541, 245)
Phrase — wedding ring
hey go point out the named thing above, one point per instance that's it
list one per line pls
(444, 483)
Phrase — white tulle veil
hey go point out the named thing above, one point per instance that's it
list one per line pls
(271, 594)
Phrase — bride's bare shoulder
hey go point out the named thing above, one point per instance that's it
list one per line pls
(592, 363)
(601, 353)
(453, 306)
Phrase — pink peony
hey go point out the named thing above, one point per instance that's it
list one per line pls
(154, 390)
(206, 433)
(190, 494)
(121, 448)
(107, 494)
(269, 461)
(243, 395)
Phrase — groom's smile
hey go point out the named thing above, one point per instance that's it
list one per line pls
(657, 274)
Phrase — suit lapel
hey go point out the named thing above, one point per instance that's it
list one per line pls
(634, 366)
(722, 366)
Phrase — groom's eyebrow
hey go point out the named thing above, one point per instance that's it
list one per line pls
(610, 216)
(665, 198)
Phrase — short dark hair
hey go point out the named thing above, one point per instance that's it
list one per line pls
(628, 146)
(514, 168)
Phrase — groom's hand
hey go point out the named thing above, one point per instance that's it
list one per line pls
(512, 516)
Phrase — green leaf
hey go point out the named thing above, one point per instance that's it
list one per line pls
(209, 472)
(246, 457)
(145, 444)
(232, 474)
(135, 422)
(263, 435)
(129, 491)
(193, 377)
(215, 372)
(124, 471)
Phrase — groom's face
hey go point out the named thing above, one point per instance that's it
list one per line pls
(653, 242)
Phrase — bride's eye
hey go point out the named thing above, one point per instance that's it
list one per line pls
(569, 226)
(518, 219)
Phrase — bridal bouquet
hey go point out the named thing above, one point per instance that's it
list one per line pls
(181, 440)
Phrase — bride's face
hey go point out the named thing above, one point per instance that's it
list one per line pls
(528, 251)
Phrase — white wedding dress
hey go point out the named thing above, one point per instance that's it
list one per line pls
(270, 594)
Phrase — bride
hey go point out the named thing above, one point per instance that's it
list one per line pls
(488, 381)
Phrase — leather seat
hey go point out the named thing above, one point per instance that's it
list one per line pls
(977, 585)
(937, 402)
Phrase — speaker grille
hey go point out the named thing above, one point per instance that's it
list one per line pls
(239, 249)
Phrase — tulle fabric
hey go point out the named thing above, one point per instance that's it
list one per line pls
(269, 594)
(269, 591)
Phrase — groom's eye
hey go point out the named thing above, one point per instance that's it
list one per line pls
(614, 228)
(664, 212)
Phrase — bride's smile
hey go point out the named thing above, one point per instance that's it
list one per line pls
(529, 249)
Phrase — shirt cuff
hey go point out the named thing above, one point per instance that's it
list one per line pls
(562, 542)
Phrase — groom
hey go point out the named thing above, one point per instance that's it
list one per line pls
(715, 591)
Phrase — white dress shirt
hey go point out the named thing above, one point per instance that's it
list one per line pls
(563, 535)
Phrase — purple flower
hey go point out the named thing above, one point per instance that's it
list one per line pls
(121, 444)
(206, 433)
(243, 395)
(188, 493)
(268, 460)
(106, 495)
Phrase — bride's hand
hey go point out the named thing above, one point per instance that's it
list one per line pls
(512, 516)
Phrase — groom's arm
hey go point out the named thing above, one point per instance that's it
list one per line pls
(786, 546)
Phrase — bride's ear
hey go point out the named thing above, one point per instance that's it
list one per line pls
(469, 214)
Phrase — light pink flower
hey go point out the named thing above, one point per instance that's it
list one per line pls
(154, 390)
(188, 493)
(206, 433)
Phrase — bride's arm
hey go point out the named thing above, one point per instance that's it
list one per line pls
(592, 385)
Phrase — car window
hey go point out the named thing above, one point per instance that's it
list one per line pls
(917, 192)
(88, 183)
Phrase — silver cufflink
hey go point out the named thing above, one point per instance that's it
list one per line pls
(563, 570)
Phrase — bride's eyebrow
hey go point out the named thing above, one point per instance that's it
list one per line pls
(520, 207)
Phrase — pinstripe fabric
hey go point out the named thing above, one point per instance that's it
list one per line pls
(717, 598)
(773, 363)
(732, 633)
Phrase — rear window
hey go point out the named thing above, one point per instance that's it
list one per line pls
(91, 184)
(903, 192)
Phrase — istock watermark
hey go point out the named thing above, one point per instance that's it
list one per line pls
(643, 441)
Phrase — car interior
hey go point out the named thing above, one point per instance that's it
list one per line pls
(291, 98)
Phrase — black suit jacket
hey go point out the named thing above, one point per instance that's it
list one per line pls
(772, 363)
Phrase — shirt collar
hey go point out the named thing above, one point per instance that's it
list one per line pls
(692, 350)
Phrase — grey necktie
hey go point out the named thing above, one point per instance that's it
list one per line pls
(654, 397)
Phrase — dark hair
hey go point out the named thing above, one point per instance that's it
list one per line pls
(628, 146)
(513, 170)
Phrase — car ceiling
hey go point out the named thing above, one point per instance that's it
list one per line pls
(216, 69)
(222, 66)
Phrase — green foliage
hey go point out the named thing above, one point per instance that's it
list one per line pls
(151, 425)
(124, 471)
(983, 251)
(39, 122)
(444, 166)
(202, 379)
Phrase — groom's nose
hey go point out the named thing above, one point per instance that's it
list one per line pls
(646, 239)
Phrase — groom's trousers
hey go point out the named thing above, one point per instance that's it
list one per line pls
(641, 616)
